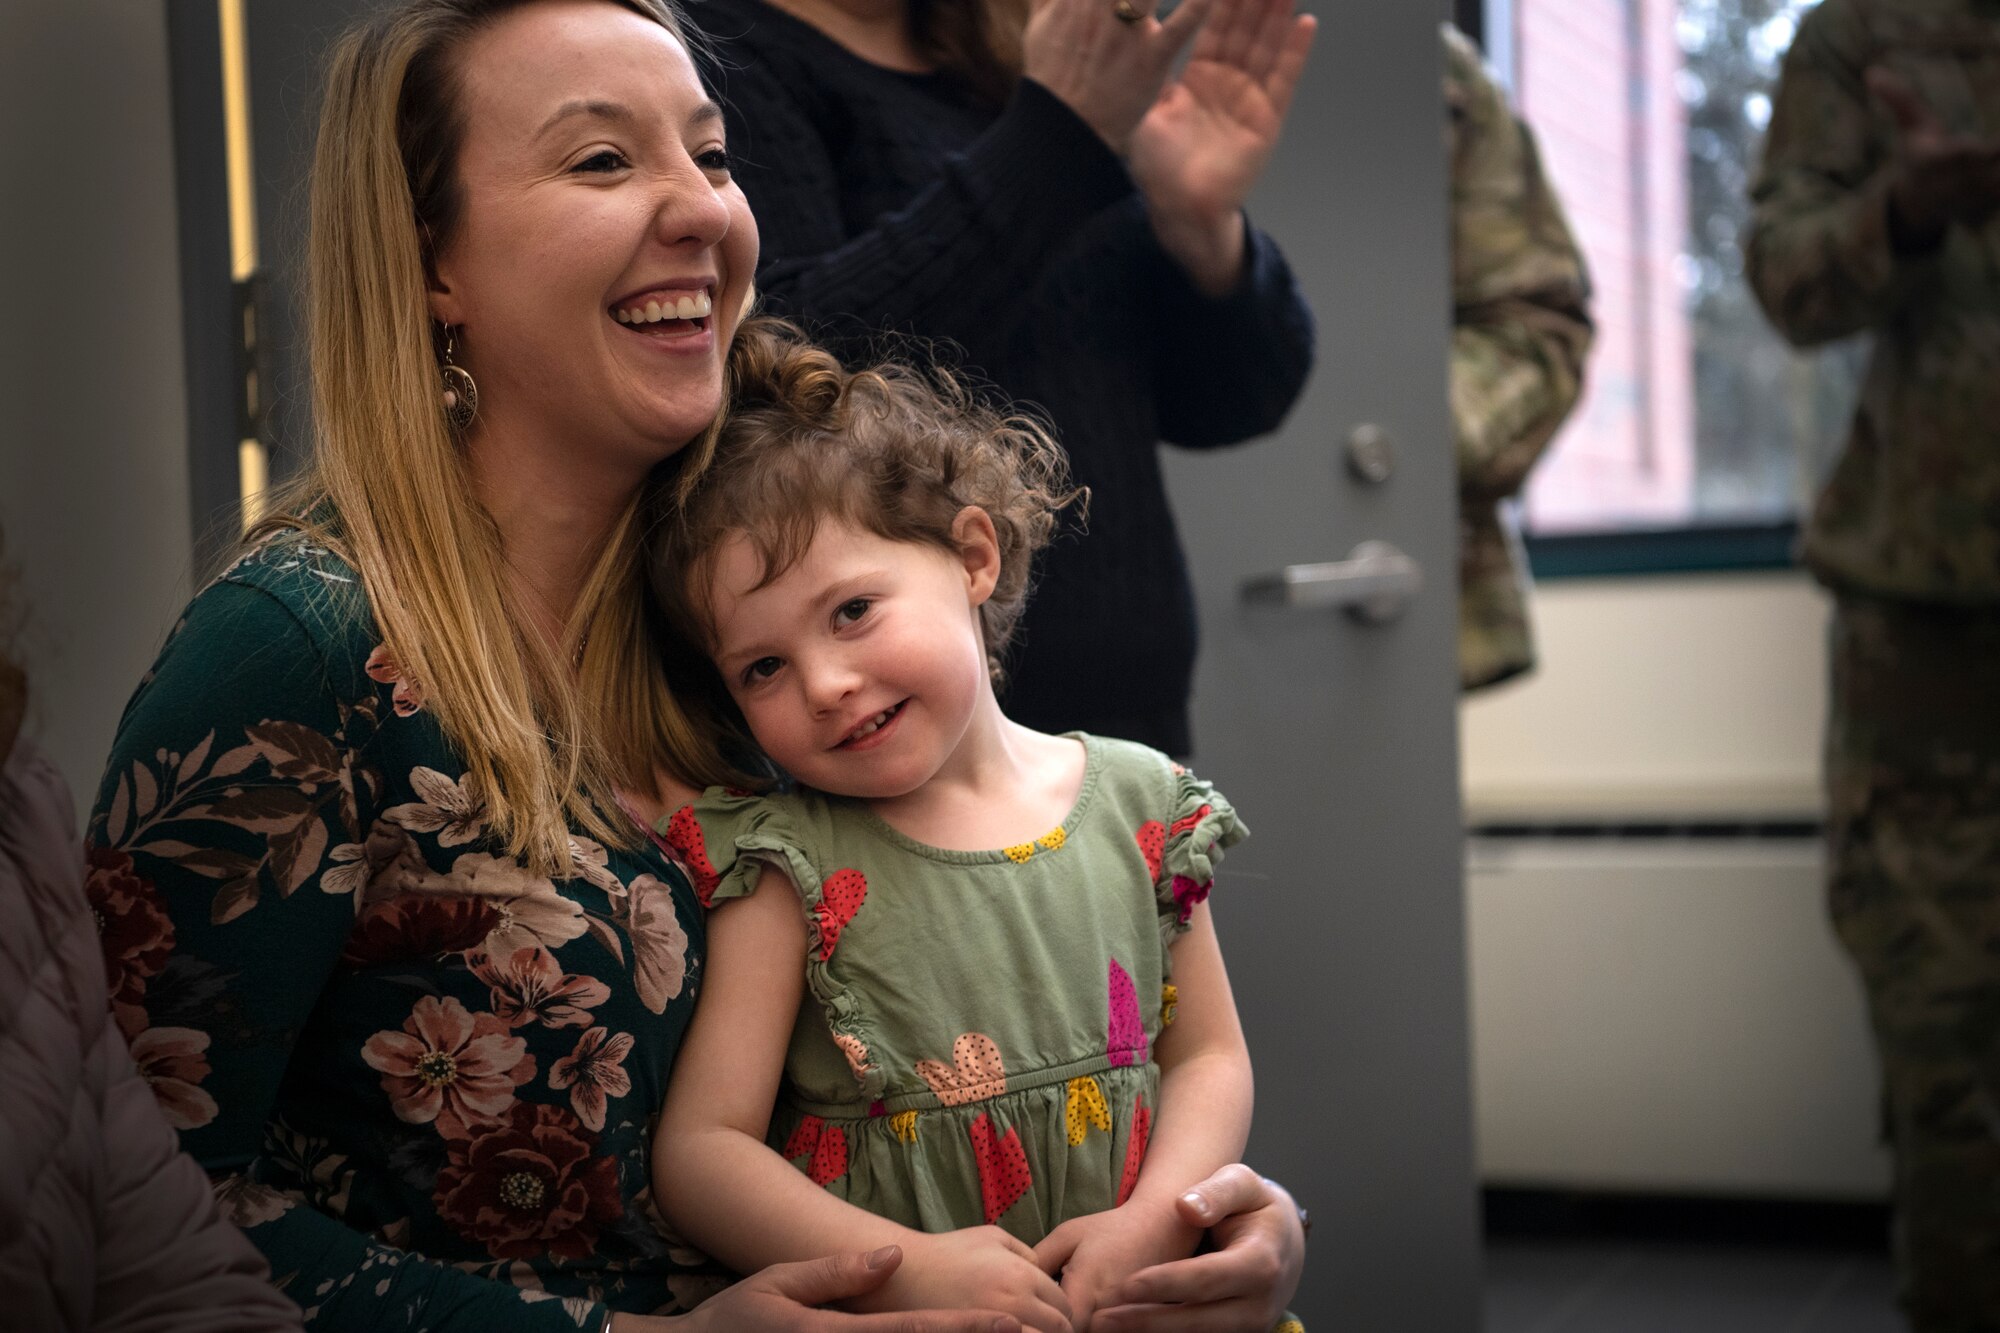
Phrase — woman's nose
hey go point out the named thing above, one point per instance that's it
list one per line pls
(690, 209)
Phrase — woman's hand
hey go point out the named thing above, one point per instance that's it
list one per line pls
(1105, 69)
(1094, 1254)
(1204, 143)
(1240, 1287)
(783, 1299)
(983, 1267)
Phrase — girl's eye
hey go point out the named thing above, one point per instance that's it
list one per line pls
(762, 669)
(850, 612)
(600, 163)
(715, 159)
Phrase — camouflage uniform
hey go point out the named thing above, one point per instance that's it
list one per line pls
(1521, 329)
(1907, 534)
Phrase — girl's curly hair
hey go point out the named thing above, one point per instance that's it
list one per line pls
(893, 450)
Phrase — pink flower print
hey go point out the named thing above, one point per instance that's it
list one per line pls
(530, 987)
(659, 944)
(591, 863)
(1125, 1038)
(174, 1064)
(595, 1069)
(1187, 894)
(450, 807)
(532, 911)
(383, 669)
(449, 1067)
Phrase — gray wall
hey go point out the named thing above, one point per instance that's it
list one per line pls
(93, 448)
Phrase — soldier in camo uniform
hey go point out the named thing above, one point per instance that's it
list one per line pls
(1521, 330)
(1875, 213)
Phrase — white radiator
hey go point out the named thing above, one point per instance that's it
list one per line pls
(1660, 1012)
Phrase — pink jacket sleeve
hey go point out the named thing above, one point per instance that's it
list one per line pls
(104, 1223)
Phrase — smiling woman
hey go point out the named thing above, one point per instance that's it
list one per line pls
(399, 962)
(400, 970)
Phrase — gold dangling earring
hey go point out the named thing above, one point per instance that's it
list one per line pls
(461, 395)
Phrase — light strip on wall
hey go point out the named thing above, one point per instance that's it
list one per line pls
(253, 464)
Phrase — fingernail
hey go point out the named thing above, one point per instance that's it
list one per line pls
(1194, 1200)
(881, 1258)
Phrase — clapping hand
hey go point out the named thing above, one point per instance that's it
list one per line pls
(1944, 178)
(1205, 141)
(1107, 68)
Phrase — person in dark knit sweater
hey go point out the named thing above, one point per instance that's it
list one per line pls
(1039, 200)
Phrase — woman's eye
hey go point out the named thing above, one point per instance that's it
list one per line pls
(715, 159)
(762, 669)
(598, 163)
(850, 612)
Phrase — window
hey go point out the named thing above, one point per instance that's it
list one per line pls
(1696, 415)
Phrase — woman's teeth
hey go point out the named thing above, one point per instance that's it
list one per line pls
(694, 306)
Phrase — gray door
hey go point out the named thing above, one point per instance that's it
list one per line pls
(1342, 917)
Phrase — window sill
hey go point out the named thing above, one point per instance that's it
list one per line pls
(1740, 546)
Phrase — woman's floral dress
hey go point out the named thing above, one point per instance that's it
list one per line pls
(426, 1074)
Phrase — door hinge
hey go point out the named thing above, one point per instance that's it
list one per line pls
(253, 370)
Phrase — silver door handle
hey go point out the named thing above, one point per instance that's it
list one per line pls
(1375, 584)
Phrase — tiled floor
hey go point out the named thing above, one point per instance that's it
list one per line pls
(1564, 1286)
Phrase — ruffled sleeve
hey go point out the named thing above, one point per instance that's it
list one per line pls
(714, 839)
(725, 839)
(1204, 824)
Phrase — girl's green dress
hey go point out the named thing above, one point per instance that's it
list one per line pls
(977, 1043)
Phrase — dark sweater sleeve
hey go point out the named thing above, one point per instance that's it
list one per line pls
(949, 263)
(1228, 368)
(224, 849)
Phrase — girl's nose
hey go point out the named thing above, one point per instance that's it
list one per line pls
(828, 683)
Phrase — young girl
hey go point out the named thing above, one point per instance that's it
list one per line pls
(963, 979)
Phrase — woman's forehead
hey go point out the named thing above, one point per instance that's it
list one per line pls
(543, 63)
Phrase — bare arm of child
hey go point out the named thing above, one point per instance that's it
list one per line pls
(1200, 1125)
(720, 1186)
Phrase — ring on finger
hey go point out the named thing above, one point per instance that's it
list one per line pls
(1127, 12)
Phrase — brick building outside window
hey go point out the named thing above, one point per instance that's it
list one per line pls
(1650, 115)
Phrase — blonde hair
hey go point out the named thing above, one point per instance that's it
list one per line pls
(387, 484)
(892, 450)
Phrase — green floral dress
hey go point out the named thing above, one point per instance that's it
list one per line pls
(977, 1043)
(427, 1074)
